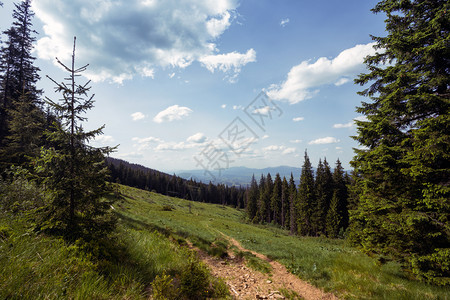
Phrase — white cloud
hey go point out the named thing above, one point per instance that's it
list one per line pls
(265, 137)
(296, 141)
(223, 106)
(298, 119)
(284, 22)
(137, 116)
(230, 63)
(325, 140)
(273, 148)
(262, 111)
(125, 38)
(197, 138)
(289, 151)
(346, 125)
(171, 75)
(342, 81)
(351, 123)
(338, 148)
(174, 112)
(303, 80)
(237, 107)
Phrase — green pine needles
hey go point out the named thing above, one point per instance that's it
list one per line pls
(73, 172)
(402, 172)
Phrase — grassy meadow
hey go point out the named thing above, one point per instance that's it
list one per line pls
(326, 263)
(147, 256)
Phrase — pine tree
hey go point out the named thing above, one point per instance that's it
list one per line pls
(337, 216)
(324, 193)
(291, 218)
(252, 199)
(262, 205)
(284, 203)
(73, 172)
(403, 169)
(18, 75)
(268, 190)
(306, 199)
(275, 200)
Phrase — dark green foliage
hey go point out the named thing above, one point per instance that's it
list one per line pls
(152, 180)
(324, 192)
(402, 173)
(275, 200)
(292, 206)
(73, 172)
(337, 216)
(21, 117)
(285, 203)
(306, 199)
(252, 195)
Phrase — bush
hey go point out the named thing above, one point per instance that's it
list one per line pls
(163, 288)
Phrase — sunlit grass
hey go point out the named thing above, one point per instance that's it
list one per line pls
(326, 263)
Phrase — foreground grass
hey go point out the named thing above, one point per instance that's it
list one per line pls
(134, 263)
(326, 263)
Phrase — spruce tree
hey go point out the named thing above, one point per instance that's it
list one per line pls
(337, 216)
(73, 172)
(252, 199)
(275, 200)
(262, 203)
(324, 193)
(284, 203)
(18, 75)
(291, 218)
(306, 199)
(403, 168)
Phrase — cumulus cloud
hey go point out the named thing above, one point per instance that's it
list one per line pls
(298, 119)
(137, 116)
(121, 39)
(303, 80)
(284, 150)
(230, 63)
(296, 141)
(174, 112)
(262, 111)
(351, 123)
(288, 151)
(325, 140)
(197, 138)
(284, 22)
(223, 106)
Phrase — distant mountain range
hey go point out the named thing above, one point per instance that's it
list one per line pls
(239, 175)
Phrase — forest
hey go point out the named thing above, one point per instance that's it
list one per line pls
(394, 204)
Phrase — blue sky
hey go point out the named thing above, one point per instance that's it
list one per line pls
(178, 83)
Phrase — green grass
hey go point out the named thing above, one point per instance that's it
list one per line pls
(326, 263)
(147, 250)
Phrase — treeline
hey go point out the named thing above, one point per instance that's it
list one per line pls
(148, 179)
(317, 207)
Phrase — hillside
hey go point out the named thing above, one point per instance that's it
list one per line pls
(153, 245)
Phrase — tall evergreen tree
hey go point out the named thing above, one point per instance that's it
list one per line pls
(306, 199)
(324, 193)
(262, 203)
(337, 216)
(73, 172)
(275, 200)
(403, 169)
(291, 218)
(284, 203)
(18, 75)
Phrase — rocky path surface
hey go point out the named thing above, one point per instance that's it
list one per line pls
(245, 283)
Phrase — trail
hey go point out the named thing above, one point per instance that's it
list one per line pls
(245, 283)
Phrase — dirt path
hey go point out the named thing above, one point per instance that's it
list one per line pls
(245, 283)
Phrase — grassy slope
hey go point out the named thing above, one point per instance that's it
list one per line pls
(327, 263)
(146, 245)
